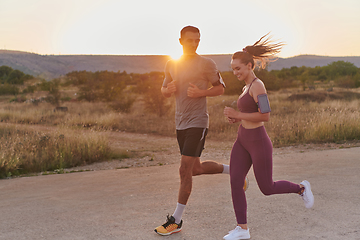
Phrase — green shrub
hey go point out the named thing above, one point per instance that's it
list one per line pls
(8, 89)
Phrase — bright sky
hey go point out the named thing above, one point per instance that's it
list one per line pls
(138, 27)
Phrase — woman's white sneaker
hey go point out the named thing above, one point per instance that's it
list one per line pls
(307, 195)
(238, 233)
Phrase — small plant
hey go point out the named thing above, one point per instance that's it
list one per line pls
(123, 167)
(120, 155)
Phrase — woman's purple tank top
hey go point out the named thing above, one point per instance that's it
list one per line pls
(246, 103)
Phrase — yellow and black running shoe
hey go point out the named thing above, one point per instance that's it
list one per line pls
(169, 227)
(246, 183)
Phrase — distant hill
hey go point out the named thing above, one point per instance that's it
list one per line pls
(53, 66)
(223, 61)
(310, 61)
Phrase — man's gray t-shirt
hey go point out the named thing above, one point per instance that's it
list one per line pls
(200, 71)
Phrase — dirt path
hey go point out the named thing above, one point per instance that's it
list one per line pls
(130, 203)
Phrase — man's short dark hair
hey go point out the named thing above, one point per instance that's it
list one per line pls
(189, 29)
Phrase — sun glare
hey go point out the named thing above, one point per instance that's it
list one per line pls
(176, 54)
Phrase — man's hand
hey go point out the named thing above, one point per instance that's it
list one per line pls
(194, 92)
(171, 87)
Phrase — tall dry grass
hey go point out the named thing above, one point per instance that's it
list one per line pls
(311, 122)
(291, 122)
(25, 151)
(296, 122)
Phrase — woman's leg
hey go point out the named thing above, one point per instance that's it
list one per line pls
(261, 155)
(240, 163)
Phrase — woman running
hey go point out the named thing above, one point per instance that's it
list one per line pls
(253, 146)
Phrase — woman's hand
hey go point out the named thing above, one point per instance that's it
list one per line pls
(231, 114)
(232, 120)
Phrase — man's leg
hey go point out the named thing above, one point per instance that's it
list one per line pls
(191, 143)
(207, 167)
(186, 173)
(191, 166)
(174, 222)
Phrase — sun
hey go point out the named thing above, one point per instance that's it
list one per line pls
(176, 54)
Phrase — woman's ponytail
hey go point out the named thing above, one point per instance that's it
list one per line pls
(261, 52)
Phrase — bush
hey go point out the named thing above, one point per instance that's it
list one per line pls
(233, 85)
(8, 89)
(123, 104)
(345, 82)
(29, 89)
(20, 99)
(149, 85)
(66, 99)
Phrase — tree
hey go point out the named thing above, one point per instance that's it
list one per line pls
(110, 85)
(4, 72)
(271, 81)
(149, 86)
(16, 77)
(88, 91)
(341, 68)
(11, 76)
(55, 91)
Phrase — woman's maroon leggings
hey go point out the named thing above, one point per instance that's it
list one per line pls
(253, 147)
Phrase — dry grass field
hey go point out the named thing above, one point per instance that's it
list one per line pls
(297, 118)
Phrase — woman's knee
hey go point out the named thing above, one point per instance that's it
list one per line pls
(266, 190)
(236, 179)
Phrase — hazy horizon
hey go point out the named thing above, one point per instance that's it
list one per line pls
(11, 50)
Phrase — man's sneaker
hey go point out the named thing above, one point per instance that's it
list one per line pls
(238, 233)
(169, 227)
(307, 195)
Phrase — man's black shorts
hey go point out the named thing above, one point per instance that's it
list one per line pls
(191, 141)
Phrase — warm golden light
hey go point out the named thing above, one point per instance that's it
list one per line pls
(176, 55)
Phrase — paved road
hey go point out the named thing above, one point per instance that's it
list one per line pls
(130, 203)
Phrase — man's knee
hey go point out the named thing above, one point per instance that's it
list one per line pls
(197, 171)
(185, 172)
(186, 166)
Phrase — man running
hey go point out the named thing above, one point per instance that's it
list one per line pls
(188, 78)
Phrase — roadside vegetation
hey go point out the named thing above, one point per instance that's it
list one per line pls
(309, 105)
(26, 151)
